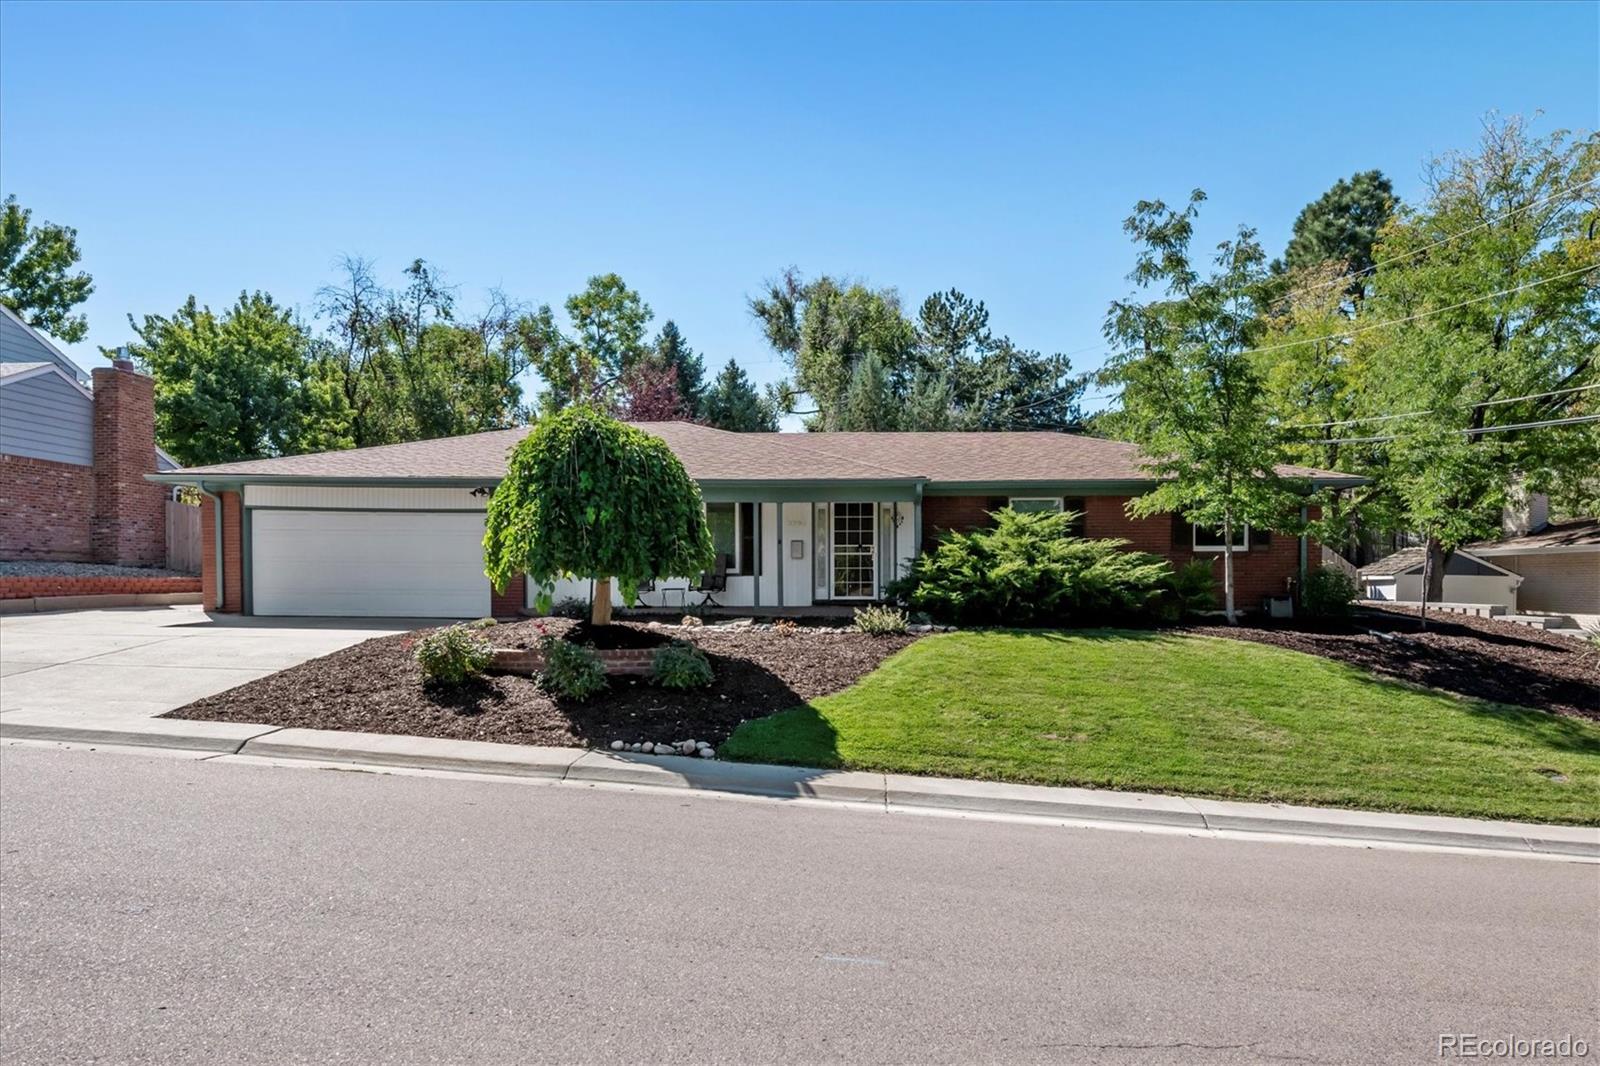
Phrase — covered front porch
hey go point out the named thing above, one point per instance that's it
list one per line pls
(789, 551)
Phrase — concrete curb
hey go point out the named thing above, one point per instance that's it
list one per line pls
(889, 791)
(221, 737)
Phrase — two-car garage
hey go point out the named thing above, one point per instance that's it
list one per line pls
(379, 562)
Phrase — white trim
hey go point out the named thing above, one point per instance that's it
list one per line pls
(1416, 568)
(1195, 545)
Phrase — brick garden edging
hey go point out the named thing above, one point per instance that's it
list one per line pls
(629, 661)
(25, 588)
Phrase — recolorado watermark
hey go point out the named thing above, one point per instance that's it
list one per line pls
(1473, 1046)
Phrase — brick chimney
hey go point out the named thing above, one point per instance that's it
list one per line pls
(129, 526)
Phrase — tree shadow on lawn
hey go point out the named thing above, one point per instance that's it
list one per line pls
(1563, 733)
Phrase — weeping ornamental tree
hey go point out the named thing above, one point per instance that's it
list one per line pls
(589, 496)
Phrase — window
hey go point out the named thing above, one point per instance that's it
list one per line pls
(1210, 540)
(733, 533)
(855, 555)
(1075, 504)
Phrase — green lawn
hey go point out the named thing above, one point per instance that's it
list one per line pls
(1173, 713)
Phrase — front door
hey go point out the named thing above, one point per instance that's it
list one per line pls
(855, 551)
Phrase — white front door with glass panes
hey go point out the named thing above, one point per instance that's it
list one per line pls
(855, 551)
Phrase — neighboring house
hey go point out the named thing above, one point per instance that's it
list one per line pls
(803, 519)
(1558, 564)
(1537, 566)
(1467, 579)
(73, 458)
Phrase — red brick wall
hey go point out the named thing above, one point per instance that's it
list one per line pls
(1262, 571)
(129, 524)
(232, 554)
(22, 588)
(45, 509)
(509, 604)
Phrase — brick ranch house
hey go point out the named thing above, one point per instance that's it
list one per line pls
(74, 452)
(802, 519)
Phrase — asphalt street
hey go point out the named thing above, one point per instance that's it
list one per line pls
(170, 910)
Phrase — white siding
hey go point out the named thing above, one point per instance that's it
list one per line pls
(47, 417)
(370, 498)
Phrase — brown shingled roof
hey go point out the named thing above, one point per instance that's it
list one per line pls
(711, 455)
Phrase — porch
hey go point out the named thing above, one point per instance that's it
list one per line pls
(821, 554)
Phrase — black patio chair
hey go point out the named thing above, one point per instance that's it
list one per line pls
(713, 582)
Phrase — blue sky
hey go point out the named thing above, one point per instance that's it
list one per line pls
(697, 150)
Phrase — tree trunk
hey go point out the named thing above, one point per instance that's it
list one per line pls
(600, 611)
(1438, 558)
(1227, 572)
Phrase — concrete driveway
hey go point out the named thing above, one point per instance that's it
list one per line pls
(145, 661)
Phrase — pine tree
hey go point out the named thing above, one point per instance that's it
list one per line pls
(732, 403)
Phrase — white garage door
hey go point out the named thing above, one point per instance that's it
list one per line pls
(371, 563)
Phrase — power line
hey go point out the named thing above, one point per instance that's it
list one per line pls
(1479, 432)
(1352, 275)
(1414, 414)
(1347, 334)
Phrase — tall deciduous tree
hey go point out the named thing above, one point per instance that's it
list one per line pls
(826, 329)
(732, 403)
(586, 495)
(1191, 396)
(36, 276)
(1490, 291)
(650, 393)
(245, 384)
(410, 367)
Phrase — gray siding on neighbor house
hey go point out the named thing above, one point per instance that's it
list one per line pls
(46, 417)
(18, 344)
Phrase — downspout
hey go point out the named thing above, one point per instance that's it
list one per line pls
(216, 529)
(1305, 545)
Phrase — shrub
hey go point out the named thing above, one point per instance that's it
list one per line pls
(681, 665)
(1194, 588)
(453, 655)
(1031, 569)
(785, 626)
(571, 670)
(1329, 593)
(481, 623)
(570, 607)
(880, 621)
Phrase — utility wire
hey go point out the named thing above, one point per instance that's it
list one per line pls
(1414, 414)
(1352, 275)
(1477, 432)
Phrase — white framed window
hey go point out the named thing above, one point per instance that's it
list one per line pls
(1034, 503)
(1207, 539)
(733, 534)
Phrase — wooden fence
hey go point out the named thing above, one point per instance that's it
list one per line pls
(183, 537)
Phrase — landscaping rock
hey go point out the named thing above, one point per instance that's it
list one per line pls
(616, 745)
(708, 753)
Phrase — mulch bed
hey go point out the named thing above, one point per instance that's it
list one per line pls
(1475, 657)
(376, 687)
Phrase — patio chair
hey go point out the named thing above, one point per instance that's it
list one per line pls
(713, 582)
